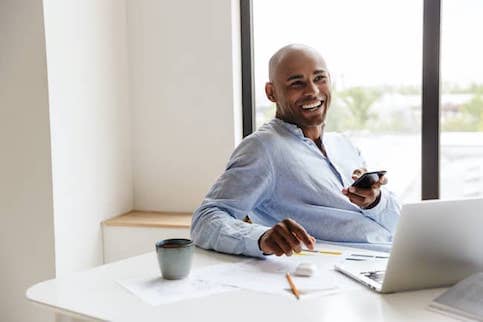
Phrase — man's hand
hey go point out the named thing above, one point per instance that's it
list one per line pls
(364, 198)
(285, 237)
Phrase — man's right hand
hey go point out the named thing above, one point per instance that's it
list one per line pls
(285, 237)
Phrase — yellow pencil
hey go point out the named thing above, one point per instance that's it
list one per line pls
(329, 252)
(295, 291)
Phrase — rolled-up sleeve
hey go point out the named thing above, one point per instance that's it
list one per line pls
(247, 181)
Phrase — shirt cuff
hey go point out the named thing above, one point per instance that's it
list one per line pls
(251, 241)
(373, 212)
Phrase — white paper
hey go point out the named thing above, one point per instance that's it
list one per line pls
(155, 290)
(268, 276)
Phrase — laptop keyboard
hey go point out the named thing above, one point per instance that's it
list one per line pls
(377, 276)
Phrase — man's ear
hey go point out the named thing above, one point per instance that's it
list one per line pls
(270, 91)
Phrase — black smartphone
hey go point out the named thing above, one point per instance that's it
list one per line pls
(368, 179)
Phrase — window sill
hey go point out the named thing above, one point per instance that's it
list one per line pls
(137, 218)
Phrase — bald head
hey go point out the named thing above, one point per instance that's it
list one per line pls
(300, 87)
(293, 49)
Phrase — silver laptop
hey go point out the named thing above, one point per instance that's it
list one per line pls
(437, 243)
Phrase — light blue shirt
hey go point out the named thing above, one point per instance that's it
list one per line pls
(277, 173)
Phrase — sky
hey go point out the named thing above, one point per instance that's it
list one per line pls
(371, 42)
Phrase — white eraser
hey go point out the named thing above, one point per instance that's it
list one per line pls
(305, 269)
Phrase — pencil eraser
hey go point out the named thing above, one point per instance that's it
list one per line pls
(305, 269)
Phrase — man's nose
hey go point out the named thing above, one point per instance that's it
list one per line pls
(311, 89)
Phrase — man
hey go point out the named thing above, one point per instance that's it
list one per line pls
(290, 179)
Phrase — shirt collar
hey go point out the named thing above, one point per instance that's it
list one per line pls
(292, 128)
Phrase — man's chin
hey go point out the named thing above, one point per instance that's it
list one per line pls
(306, 122)
(313, 118)
(313, 122)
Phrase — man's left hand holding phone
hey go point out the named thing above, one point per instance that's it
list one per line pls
(365, 198)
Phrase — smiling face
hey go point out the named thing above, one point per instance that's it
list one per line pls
(300, 87)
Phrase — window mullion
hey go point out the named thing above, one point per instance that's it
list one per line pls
(248, 106)
(430, 99)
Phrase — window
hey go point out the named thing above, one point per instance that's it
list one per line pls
(374, 50)
(462, 99)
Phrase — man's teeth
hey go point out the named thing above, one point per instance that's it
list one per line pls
(313, 105)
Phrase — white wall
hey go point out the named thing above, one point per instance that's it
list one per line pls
(27, 224)
(184, 98)
(90, 121)
(182, 95)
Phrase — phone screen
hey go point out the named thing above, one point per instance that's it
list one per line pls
(368, 179)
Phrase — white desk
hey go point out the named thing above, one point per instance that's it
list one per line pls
(95, 294)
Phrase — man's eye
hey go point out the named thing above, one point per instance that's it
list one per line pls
(297, 84)
(320, 78)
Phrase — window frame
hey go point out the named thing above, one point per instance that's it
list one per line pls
(430, 105)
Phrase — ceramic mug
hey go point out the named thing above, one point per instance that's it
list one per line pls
(174, 257)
